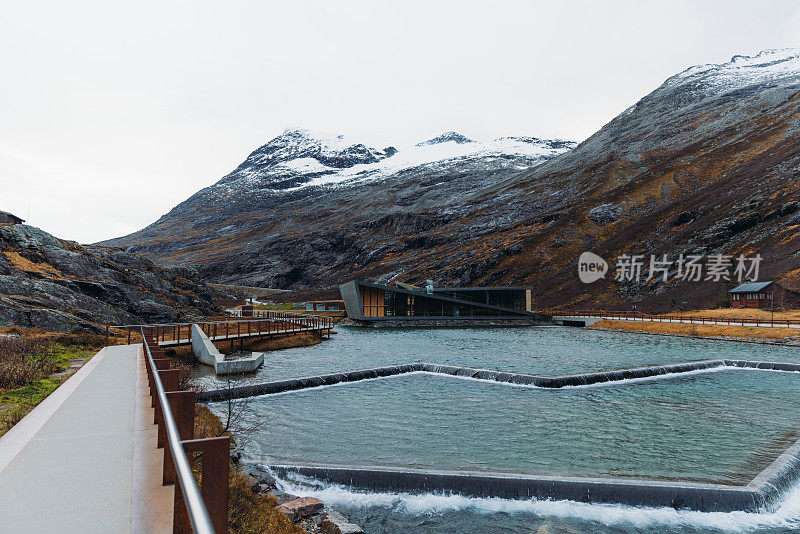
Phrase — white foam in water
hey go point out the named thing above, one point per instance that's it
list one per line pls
(606, 383)
(787, 516)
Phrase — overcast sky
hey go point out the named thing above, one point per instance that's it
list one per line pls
(113, 112)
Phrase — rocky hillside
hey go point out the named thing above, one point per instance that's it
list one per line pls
(59, 285)
(306, 209)
(706, 163)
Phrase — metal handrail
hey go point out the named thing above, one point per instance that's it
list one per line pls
(676, 318)
(232, 318)
(195, 506)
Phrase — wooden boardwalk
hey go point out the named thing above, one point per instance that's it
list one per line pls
(179, 334)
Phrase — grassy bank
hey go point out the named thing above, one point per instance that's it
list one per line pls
(249, 512)
(33, 363)
(284, 341)
(702, 330)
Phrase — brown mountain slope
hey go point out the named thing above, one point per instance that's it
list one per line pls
(707, 163)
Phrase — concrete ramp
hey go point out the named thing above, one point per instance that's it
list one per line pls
(207, 353)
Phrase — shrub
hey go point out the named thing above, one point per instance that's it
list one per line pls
(23, 360)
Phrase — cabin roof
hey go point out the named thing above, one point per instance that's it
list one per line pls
(750, 287)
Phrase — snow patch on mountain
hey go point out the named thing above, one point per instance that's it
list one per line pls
(300, 158)
(742, 71)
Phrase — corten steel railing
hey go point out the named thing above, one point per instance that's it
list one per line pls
(232, 327)
(204, 510)
(691, 319)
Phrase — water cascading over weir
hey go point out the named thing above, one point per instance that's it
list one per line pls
(763, 492)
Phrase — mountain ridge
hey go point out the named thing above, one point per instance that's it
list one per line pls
(706, 162)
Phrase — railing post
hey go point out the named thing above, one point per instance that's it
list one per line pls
(180, 518)
(169, 379)
(215, 471)
(182, 405)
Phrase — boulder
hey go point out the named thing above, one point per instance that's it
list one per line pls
(335, 523)
(605, 214)
(301, 508)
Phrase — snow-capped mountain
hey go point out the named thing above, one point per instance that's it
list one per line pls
(706, 163)
(301, 158)
(742, 71)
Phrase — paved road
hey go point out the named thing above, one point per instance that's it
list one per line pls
(85, 459)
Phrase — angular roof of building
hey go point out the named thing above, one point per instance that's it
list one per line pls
(7, 213)
(750, 287)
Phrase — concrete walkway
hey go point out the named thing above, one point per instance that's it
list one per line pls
(85, 459)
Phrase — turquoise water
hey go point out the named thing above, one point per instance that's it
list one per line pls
(538, 350)
(723, 426)
(720, 427)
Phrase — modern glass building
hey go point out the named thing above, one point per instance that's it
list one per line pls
(366, 301)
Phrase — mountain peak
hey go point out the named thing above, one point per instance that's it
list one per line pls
(768, 66)
(447, 137)
(332, 151)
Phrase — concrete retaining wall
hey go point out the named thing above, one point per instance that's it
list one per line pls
(207, 353)
(575, 320)
(294, 384)
(702, 497)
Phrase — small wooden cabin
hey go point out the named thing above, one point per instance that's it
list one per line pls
(765, 295)
(10, 218)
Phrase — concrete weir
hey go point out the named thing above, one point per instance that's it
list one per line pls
(764, 492)
(207, 353)
(701, 497)
(552, 382)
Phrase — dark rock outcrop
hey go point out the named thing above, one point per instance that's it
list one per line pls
(605, 214)
(59, 285)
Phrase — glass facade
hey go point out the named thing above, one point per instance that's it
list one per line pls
(380, 302)
(505, 298)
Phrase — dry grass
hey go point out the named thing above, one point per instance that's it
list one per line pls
(302, 339)
(747, 313)
(25, 359)
(248, 512)
(701, 330)
(24, 264)
(31, 367)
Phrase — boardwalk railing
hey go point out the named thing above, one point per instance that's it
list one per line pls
(205, 510)
(692, 319)
(232, 327)
(268, 314)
